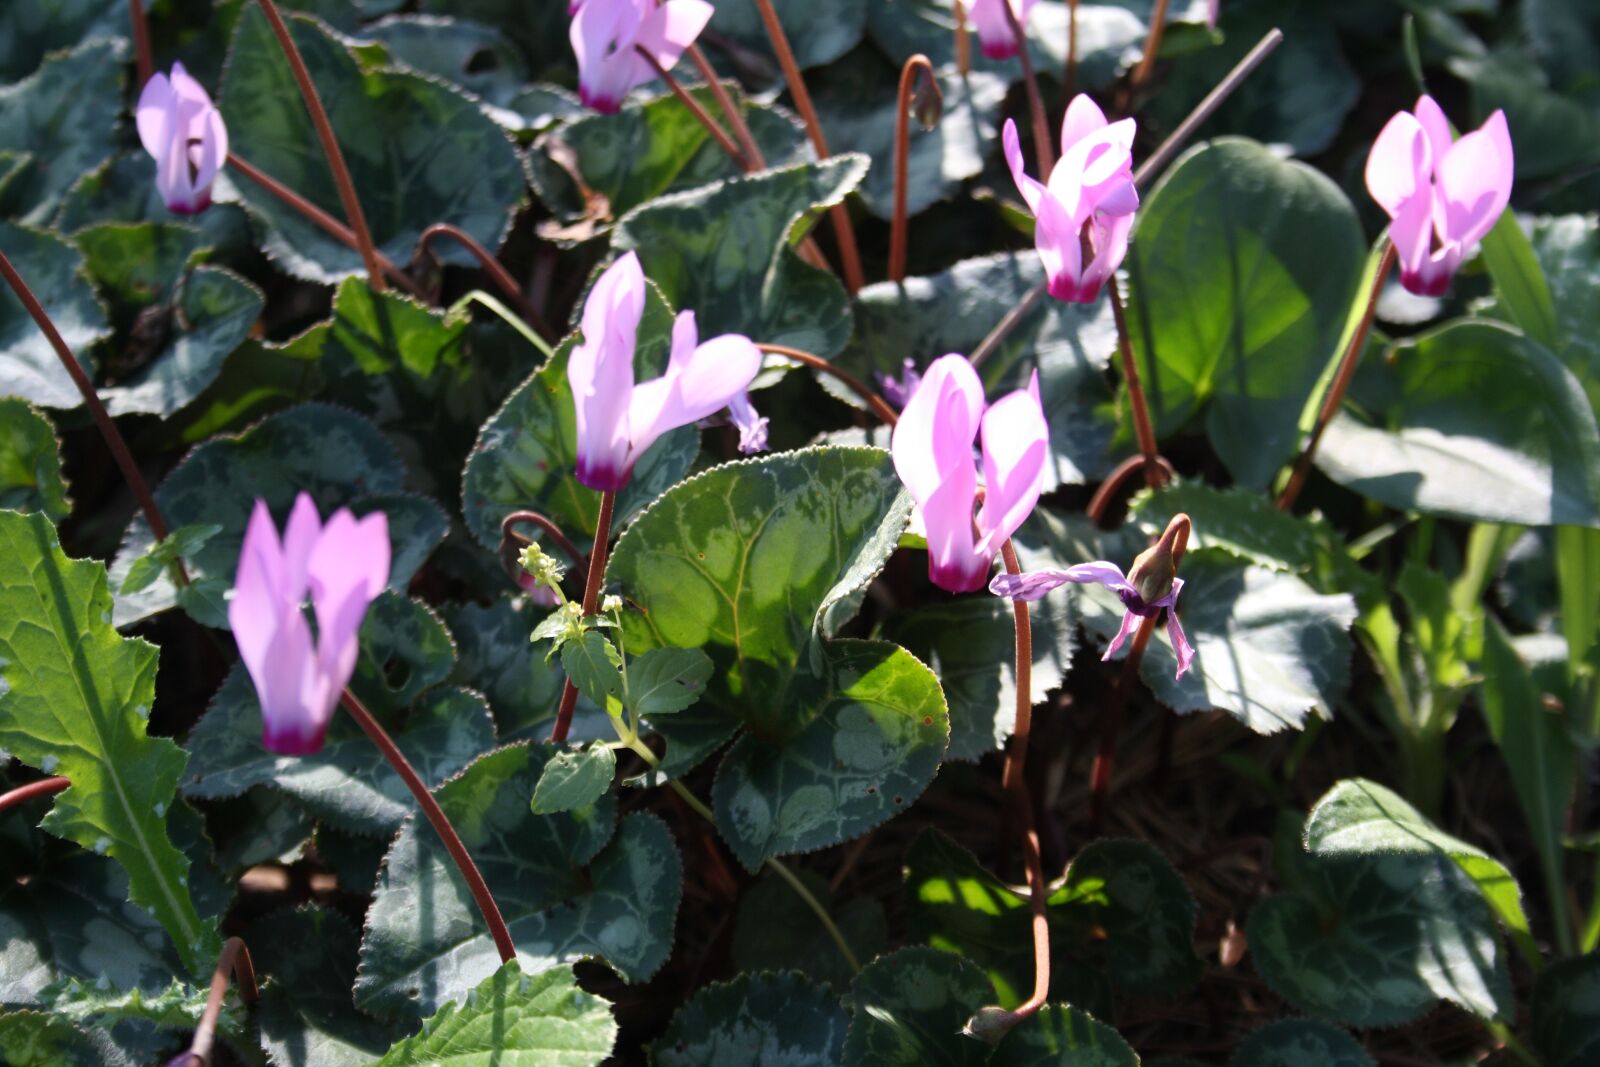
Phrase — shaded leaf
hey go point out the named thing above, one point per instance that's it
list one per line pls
(573, 781)
(30, 461)
(908, 1009)
(755, 1020)
(53, 269)
(62, 117)
(1062, 1036)
(1299, 1043)
(1566, 1020)
(776, 929)
(37, 1039)
(494, 653)
(30, 31)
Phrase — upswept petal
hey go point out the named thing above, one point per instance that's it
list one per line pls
(1475, 183)
(1016, 443)
(710, 379)
(1130, 622)
(1180, 642)
(953, 561)
(300, 534)
(1400, 164)
(153, 114)
(1057, 235)
(289, 687)
(348, 568)
(1411, 231)
(258, 599)
(1430, 116)
(670, 29)
(1083, 117)
(602, 35)
(994, 30)
(1035, 584)
(1111, 246)
(1033, 192)
(600, 369)
(934, 436)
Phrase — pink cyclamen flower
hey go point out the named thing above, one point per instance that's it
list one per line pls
(185, 134)
(343, 566)
(1090, 200)
(932, 447)
(1442, 195)
(1150, 585)
(606, 36)
(618, 420)
(994, 29)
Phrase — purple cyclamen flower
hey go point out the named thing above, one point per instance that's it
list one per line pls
(180, 128)
(1150, 585)
(1089, 200)
(897, 391)
(1442, 195)
(994, 29)
(606, 36)
(343, 566)
(932, 448)
(618, 420)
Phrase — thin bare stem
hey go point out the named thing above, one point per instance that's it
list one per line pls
(1136, 399)
(1111, 725)
(234, 962)
(753, 160)
(849, 256)
(102, 420)
(1003, 328)
(591, 604)
(1341, 383)
(330, 145)
(332, 226)
(44, 787)
(1204, 110)
(688, 101)
(494, 268)
(1114, 483)
(1071, 82)
(144, 63)
(1152, 45)
(917, 64)
(441, 825)
(880, 407)
(544, 522)
(963, 42)
(1043, 149)
(1017, 753)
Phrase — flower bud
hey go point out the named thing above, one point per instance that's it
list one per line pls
(1154, 569)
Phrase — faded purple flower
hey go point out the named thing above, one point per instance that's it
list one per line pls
(185, 134)
(898, 390)
(751, 423)
(342, 566)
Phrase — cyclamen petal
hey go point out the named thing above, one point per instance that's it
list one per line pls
(1442, 195)
(343, 565)
(752, 424)
(606, 35)
(185, 135)
(994, 30)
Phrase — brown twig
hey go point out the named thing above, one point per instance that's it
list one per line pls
(1136, 398)
(330, 145)
(143, 62)
(849, 256)
(1204, 110)
(496, 271)
(44, 787)
(108, 429)
(688, 101)
(441, 825)
(880, 407)
(1152, 45)
(1341, 382)
(1114, 482)
(1043, 149)
(332, 226)
(1071, 81)
(235, 962)
(753, 160)
(917, 64)
(591, 604)
(963, 42)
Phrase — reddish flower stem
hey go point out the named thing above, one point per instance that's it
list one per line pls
(1152, 45)
(963, 42)
(917, 64)
(688, 101)
(849, 256)
(753, 160)
(234, 961)
(508, 532)
(591, 604)
(330, 145)
(1071, 79)
(332, 226)
(879, 406)
(1341, 383)
(108, 429)
(441, 825)
(1142, 429)
(144, 64)
(1043, 148)
(44, 787)
(1003, 328)
(1116, 480)
(496, 271)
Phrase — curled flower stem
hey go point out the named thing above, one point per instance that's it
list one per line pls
(1152, 45)
(102, 420)
(1204, 110)
(441, 825)
(494, 268)
(332, 226)
(330, 145)
(781, 869)
(1043, 149)
(854, 279)
(144, 63)
(1114, 482)
(235, 962)
(1341, 383)
(508, 532)
(917, 64)
(44, 787)
(591, 604)
(753, 160)
(1153, 463)
(688, 101)
(879, 406)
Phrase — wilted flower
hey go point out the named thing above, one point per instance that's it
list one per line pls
(1441, 197)
(618, 420)
(751, 423)
(898, 390)
(1150, 585)
(1088, 205)
(180, 128)
(932, 447)
(994, 29)
(606, 36)
(343, 565)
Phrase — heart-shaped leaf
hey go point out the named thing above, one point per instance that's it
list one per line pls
(908, 1009)
(30, 461)
(776, 929)
(60, 119)
(28, 32)
(1058, 1035)
(53, 269)
(755, 1020)
(818, 31)
(1299, 1043)
(495, 655)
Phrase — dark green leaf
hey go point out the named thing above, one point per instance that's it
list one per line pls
(136, 265)
(62, 116)
(469, 55)
(494, 655)
(565, 893)
(36, 1039)
(29, 31)
(53, 269)
(75, 702)
(666, 680)
(1566, 1011)
(30, 461)
(724, 251)
(573, 781)
(592, 665)
(754, 1021)
(908, 1009)
(775, 929)
(1062, 1036)
(1299, 1043)
(404, 650)
(819, 31)
(1521, 283)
